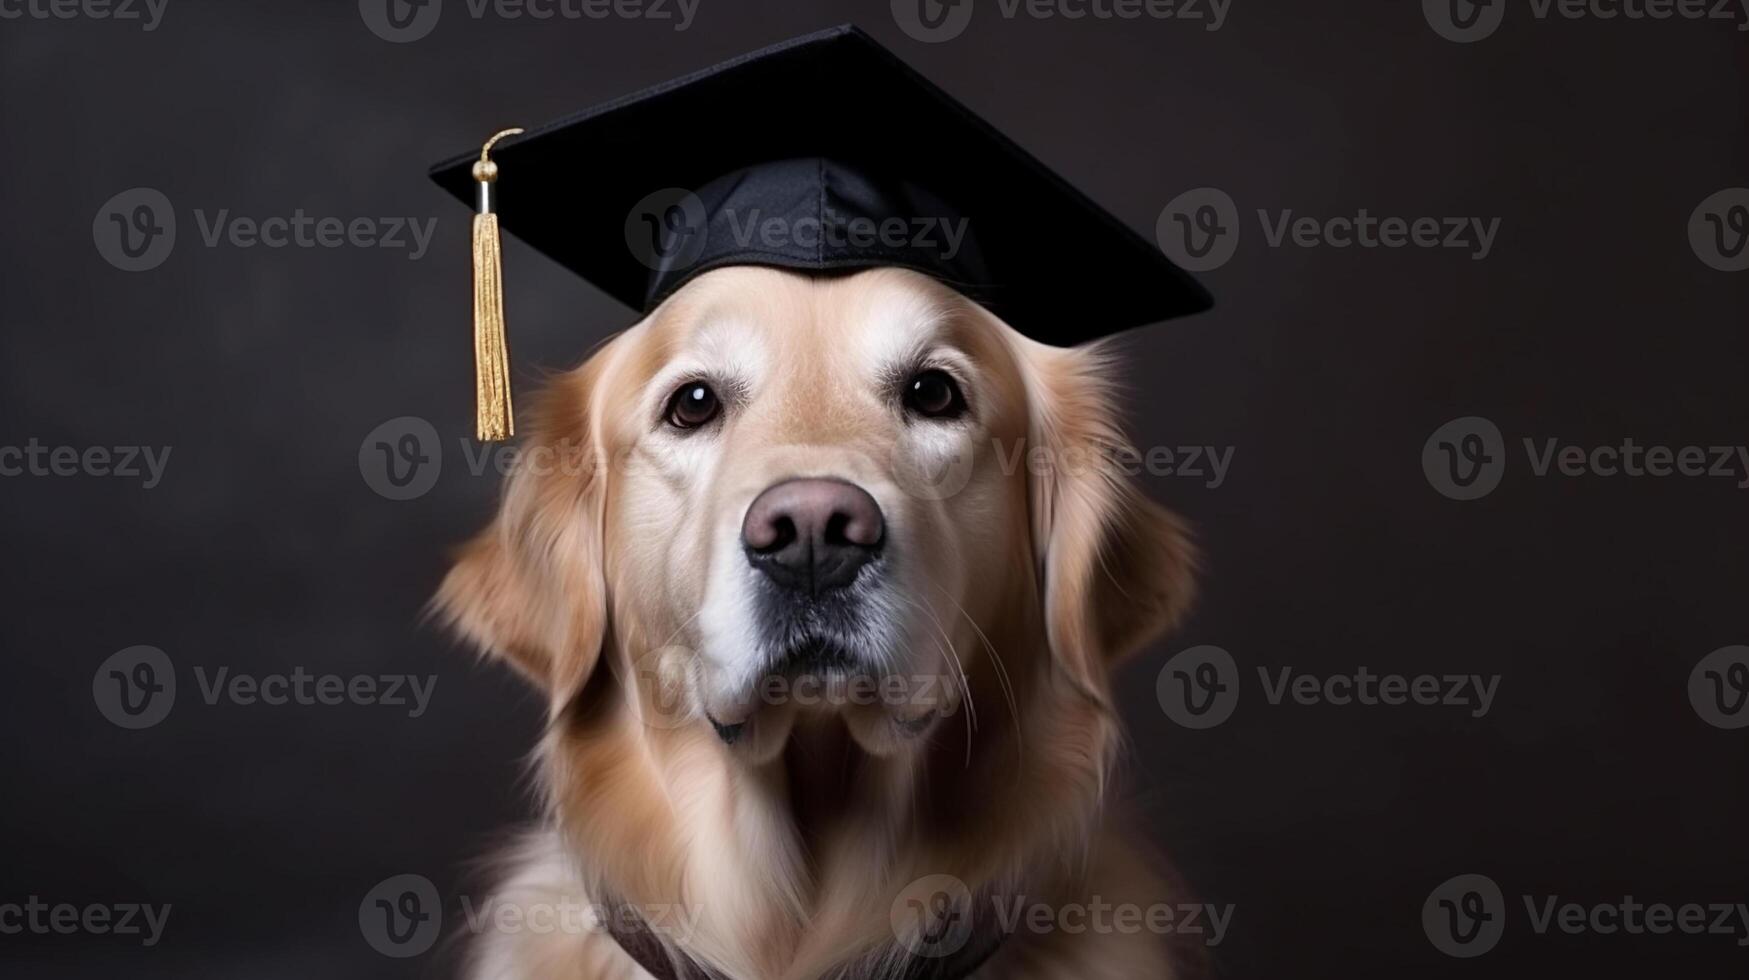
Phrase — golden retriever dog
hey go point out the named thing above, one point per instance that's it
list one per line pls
(823, 582)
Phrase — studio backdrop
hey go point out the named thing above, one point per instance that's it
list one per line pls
(1463, 442)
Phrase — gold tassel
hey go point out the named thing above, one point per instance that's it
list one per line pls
(493, 415)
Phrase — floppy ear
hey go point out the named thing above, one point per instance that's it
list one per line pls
(1118, 570)
(530, 587)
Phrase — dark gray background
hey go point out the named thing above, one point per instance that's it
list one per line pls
(1326, 370)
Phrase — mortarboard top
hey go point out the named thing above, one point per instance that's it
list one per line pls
(822, 153)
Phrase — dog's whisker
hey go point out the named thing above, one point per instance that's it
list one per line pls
(953, 653)
(964, 682)
(1002, 676)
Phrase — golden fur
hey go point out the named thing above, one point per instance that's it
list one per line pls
(792, 848)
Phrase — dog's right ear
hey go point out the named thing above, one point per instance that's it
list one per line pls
(530, 588)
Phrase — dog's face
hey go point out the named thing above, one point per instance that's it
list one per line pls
(802, 504)
(782, 495)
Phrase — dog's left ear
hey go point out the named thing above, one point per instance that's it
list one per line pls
(1118, 570)
(530, 588)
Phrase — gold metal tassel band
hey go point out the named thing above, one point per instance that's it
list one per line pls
(493, 415)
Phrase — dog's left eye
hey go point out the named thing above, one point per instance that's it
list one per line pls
(934, 395)
(695, 404)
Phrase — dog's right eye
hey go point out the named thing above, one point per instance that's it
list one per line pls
(933, 394)
(693, 405)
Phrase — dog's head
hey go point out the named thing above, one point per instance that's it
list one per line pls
(783, 495)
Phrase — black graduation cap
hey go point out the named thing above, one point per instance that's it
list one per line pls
(822, 153)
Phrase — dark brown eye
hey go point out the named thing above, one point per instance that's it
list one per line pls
(934, 395)
(695, 404)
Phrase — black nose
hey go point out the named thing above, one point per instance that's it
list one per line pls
(812, 535)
